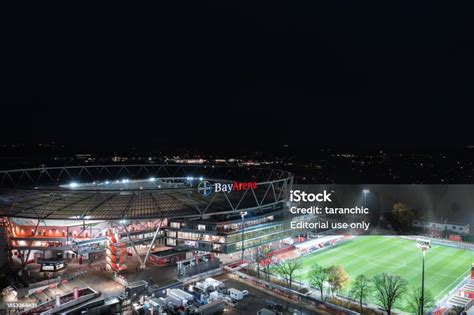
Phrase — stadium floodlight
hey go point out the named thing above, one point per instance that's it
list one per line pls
(73, 185)
(424, 245)
(365, 192)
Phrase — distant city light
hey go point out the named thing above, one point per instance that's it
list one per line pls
(366, 191)
(73, 185)
(152, 179)
(201, 178)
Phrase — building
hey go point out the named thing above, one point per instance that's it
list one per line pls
(51, 215)
(226, 235)
(461, 228)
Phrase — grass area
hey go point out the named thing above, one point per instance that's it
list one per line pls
(369, 255)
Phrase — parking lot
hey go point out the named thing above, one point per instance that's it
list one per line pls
(257, 299)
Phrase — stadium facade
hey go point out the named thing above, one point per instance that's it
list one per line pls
(50, 215)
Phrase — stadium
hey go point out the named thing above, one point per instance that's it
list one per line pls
(59, 217)
(118, 220)
(69, 211)
(447, 265)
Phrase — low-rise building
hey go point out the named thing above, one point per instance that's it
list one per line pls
(443, 226)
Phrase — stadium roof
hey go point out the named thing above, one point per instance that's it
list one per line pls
(118, 192)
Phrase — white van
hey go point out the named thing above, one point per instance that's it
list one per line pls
(235, 294)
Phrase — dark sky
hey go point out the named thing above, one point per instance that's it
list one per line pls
(316, 72)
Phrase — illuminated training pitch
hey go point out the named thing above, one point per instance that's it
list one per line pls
(370, 255)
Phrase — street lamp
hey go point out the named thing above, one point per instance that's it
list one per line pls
(242, 214)
(365, 192)
(424, 245)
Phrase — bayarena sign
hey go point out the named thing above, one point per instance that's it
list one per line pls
(206, 188)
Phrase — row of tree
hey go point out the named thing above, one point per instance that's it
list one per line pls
(385, 289)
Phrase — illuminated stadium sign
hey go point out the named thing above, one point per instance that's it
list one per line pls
(206, 188)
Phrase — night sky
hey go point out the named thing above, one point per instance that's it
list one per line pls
(217, 72)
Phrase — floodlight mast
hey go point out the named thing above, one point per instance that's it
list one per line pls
(242, 214)
(424, 245)
(365, 192)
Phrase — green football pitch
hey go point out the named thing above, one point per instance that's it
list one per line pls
(445, 266)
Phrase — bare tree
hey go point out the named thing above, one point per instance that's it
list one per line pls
(261, 257)
(414, 301)
(268, 263)
(388, 290)
(288, 269)
(361, 288)
(317, 277)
